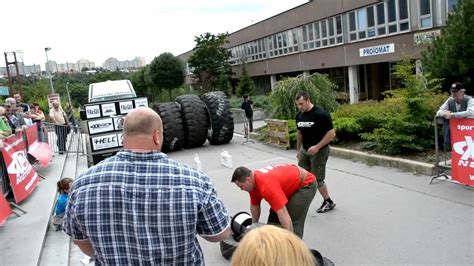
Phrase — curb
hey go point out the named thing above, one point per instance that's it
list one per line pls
(382, 160)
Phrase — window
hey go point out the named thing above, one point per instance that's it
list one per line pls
(323, 33)
(451, 4)
(403, 15)
(370, 22)
(425, 14)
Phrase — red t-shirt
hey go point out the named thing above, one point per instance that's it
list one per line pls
(277, 183)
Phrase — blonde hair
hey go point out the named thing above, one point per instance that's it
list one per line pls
(271, 246)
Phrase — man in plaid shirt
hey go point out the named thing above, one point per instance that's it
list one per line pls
(141, 208)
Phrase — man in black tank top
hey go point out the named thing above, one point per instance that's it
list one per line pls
(314, 133)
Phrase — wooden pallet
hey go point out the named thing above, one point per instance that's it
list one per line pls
(278, 134)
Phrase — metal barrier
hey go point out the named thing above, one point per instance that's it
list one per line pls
(64, 138)
(4, 179)
(443, 158)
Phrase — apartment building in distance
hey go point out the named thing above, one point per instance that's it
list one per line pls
(355, 42)
(114, 64)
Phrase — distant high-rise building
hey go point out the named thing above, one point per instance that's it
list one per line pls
(84, 63)
(114, 64)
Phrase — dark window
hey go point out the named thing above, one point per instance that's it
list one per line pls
(338, 25)
(331, 26)
(352, 21)
(425, 7)
(381, 31)
(392, 16)
(403, 8)
(380, 14)
(305, 32)
(392, 28)
(323, 29)
(403, 26)
(370, 16)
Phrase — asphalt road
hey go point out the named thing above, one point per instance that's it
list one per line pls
(383, 215)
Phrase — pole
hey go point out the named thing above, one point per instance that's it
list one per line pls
(48, 70)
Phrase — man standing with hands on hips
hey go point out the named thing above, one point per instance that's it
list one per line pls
(314, 133)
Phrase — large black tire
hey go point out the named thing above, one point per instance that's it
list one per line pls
(195, 120)
(173, 134)
(221, 129)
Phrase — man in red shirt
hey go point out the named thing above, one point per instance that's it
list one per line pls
(289, 189)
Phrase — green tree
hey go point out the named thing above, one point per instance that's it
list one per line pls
(451, 55)
(318, 86)
(209, 59)
(138, 80)
(165, 72)
(246, 84)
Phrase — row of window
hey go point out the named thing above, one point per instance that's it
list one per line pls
(385, 18)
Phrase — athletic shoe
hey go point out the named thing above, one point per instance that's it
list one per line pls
(325, 207)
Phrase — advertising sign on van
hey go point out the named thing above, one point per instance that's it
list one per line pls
(126, 107)
(108, 109)
(141, 102)
(118, 122)
(92, 111)
(100, 126)
(104, 142)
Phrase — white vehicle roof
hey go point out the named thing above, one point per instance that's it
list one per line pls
(111, 90)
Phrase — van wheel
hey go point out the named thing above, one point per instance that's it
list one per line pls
(228, 247)
(195, 120)
(173, 134)
(221, 129)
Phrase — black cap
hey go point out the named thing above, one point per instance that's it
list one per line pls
(456, 86)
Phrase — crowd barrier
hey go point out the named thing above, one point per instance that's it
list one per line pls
(18, 176)
(455, 161)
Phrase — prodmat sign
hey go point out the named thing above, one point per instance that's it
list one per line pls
(377, 50)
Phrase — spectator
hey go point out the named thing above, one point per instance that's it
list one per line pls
(314, 133)
(140, 207)
(247, 107)
(58, 117)
(459, 105)
(26, 116)
(70, 116)
(5, 129)
(272, 246)
(24, 106)
(289, 189)
(17, 123)
(63, 187)
(37, 116)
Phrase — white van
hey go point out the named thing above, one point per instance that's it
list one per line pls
(111, 90)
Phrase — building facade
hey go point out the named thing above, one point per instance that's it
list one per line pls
(114, 64)
(355, 42)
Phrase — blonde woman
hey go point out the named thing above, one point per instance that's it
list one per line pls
(272, 246)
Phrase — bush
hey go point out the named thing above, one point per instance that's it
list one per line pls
(318, 86)
(347, 128)
(408, 129)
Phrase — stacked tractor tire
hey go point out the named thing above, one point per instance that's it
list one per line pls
(190, 120)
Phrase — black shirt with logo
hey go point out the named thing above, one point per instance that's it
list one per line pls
(313, 125)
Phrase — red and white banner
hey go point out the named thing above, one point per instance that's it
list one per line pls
(462, 156)
(23, 178)
(40, 150)
(5, 209)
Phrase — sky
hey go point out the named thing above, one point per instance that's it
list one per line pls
(123, 29)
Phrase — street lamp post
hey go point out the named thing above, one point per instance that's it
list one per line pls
(48, 70)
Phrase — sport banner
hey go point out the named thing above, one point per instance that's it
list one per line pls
(5, 209)
(462, 156)
(23, 178)
(40, 150)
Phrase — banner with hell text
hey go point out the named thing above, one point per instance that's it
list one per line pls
(23, 178)
(40, 150)
(5, 209)
(462, 156)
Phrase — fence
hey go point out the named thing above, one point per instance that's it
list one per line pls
(63, 138)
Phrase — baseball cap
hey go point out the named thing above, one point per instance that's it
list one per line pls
(456, 86)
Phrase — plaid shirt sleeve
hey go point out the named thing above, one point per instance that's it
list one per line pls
(213, 218)
(71, 225)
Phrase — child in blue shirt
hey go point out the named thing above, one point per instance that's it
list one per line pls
(63, 189)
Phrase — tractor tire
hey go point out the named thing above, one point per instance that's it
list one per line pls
(221, 128)
(173, 134)
(195, 120)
